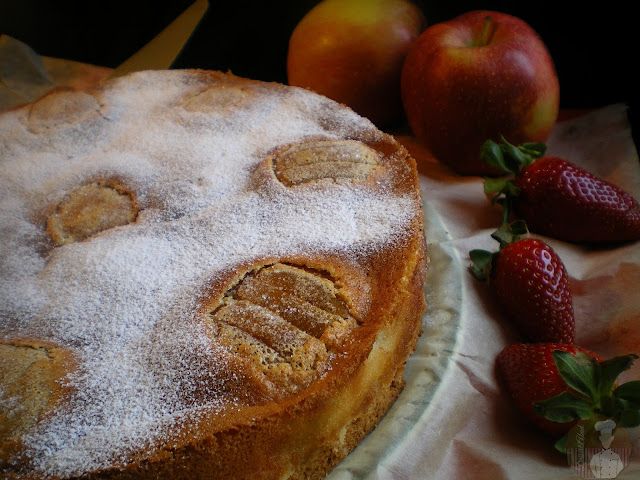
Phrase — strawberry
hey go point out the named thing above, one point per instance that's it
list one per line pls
(530, 283)
(530, 375)
(555, 385)
(559, 199)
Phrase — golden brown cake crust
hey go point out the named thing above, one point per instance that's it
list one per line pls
(235, 267)
(31, 382)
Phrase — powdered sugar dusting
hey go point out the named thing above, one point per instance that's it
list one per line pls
(124, 301)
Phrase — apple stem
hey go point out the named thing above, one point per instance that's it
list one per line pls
(488, 31)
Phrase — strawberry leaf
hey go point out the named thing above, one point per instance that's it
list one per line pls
(511, 158)
(514, 158)
(481, 263)
(510, 232)
(564, 407)
(491, 153)
(580, 372)
(561, 444)
(629, 418)
(494, 185)
(502, 191)
(595, 381)
(611, 369)
(534, 149)
(629, 391)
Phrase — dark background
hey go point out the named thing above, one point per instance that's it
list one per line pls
(594, 47)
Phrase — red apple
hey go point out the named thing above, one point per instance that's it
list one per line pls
(479, 76)
(353, 50)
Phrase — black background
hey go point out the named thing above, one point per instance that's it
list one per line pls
(594, 47)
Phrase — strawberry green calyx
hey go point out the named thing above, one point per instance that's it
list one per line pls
(482, 260)
(512, 160)
(595, 392)
(510, 233)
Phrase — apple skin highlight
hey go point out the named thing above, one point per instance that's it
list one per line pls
(463, 84)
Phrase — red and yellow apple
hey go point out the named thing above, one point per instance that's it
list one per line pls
(352, 51)
(479, 76)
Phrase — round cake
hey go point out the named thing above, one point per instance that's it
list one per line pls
(201, 277)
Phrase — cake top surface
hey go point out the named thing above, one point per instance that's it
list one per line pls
(212, 173)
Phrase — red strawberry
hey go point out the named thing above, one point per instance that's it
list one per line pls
(559, 199)
(530, 283)
(554, 385)
(530, 375)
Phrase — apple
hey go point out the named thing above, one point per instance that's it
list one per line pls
(352, 51)
(479, 76)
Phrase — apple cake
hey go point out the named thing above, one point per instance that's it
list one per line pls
(202, 277)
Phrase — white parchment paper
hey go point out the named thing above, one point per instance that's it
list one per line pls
(464, 425)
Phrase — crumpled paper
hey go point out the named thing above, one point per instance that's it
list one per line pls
(25, 76)
(470, 429)
(453, 420)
